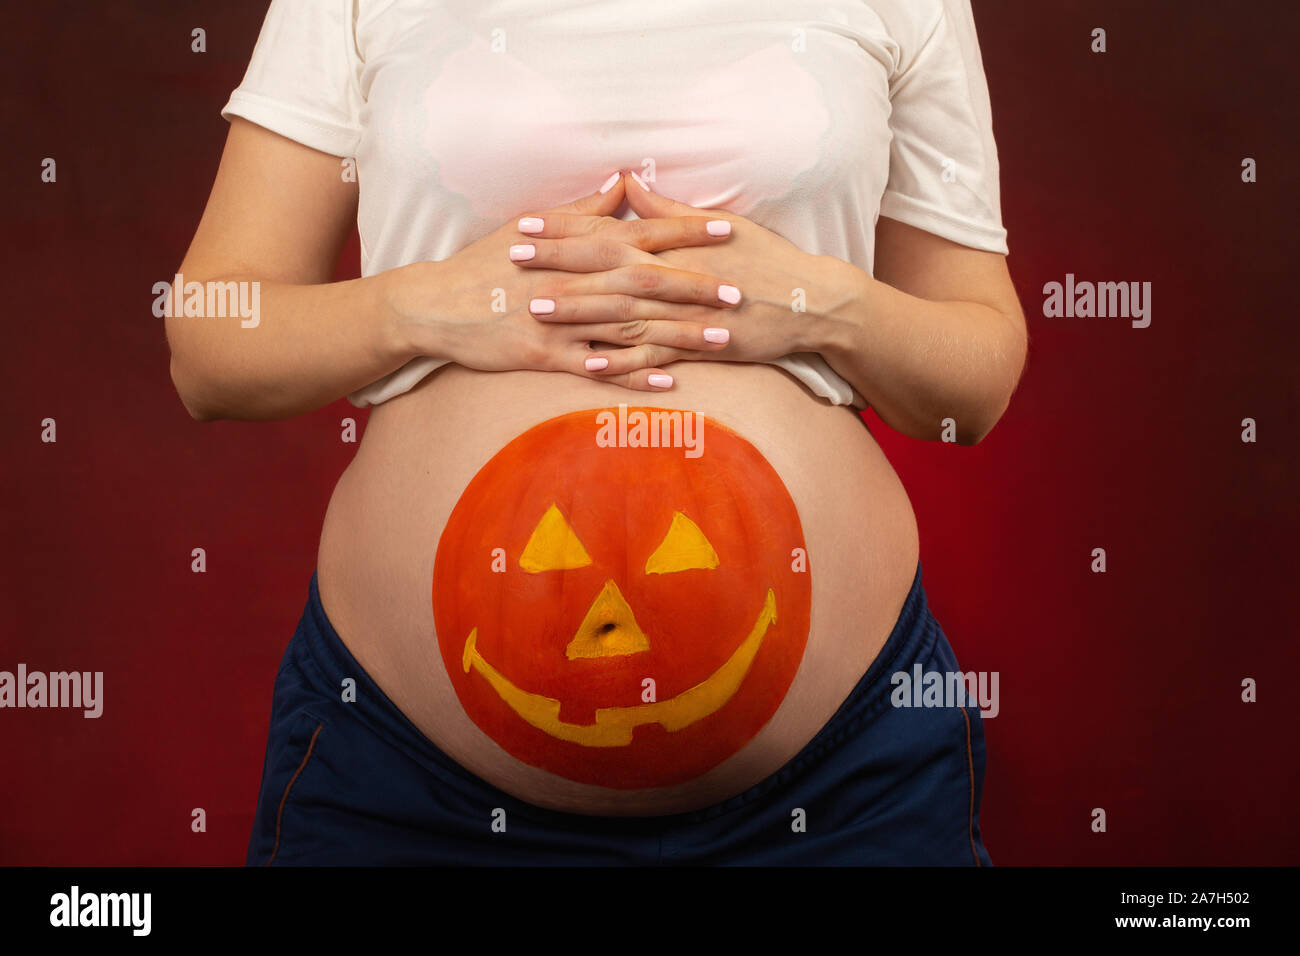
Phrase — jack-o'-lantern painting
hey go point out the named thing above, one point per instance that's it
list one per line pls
(617, 596)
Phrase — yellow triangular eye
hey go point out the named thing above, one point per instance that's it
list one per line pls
(553, 546)
(682, 549)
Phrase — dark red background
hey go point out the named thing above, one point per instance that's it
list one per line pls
(1119, 691)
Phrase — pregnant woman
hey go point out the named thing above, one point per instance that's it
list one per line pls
(618, 574)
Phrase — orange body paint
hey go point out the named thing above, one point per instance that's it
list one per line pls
(623, 616)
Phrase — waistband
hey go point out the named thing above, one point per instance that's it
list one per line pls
(318, 647)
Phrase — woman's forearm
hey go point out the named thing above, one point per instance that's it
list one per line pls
(307, 346)
(919, 362)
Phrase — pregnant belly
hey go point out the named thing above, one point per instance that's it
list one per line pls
(615, 611)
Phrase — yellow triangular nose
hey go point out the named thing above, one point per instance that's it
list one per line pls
(609, 629)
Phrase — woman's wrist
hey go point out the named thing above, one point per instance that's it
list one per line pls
(838, 299)
(406, 331)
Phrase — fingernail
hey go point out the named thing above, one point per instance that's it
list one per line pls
(596, 364)
(609, 183)
(639, 181)
(541, 306)
(729, 294)
(717, 336)
(532, 224)
(661, 381)
(527, 251)
(718, 227)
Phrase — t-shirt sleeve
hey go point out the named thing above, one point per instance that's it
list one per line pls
(943, 162)
(303, 80)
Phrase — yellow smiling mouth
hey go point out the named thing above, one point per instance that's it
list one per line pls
(613, 725)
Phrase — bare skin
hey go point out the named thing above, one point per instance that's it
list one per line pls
(936, 333)
(279, 214)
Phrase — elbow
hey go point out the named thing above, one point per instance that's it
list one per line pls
(191, 377)
(190, 394)
(977, 427)
(996, 399)
(183, 378)
(968, 427)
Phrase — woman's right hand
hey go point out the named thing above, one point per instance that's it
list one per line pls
(474, 307)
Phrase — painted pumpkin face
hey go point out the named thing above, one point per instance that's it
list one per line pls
(623, 616)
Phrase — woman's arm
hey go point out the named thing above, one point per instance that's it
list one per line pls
(278, 215)
(938, 333)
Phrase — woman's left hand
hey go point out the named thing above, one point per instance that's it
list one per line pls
(784, 290)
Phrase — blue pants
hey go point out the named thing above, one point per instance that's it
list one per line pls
(357, 784)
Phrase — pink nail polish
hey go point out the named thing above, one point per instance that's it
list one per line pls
(533, 224)
(609, 183)
(729, 294)
(717, 336)
(523, 252)
(718, 227)
(660, 381)
(639, 181)
(596, 364)
(541, 306)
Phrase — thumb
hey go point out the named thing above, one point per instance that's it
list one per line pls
(596, 203)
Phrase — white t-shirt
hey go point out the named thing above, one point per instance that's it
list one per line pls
(809, 117)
